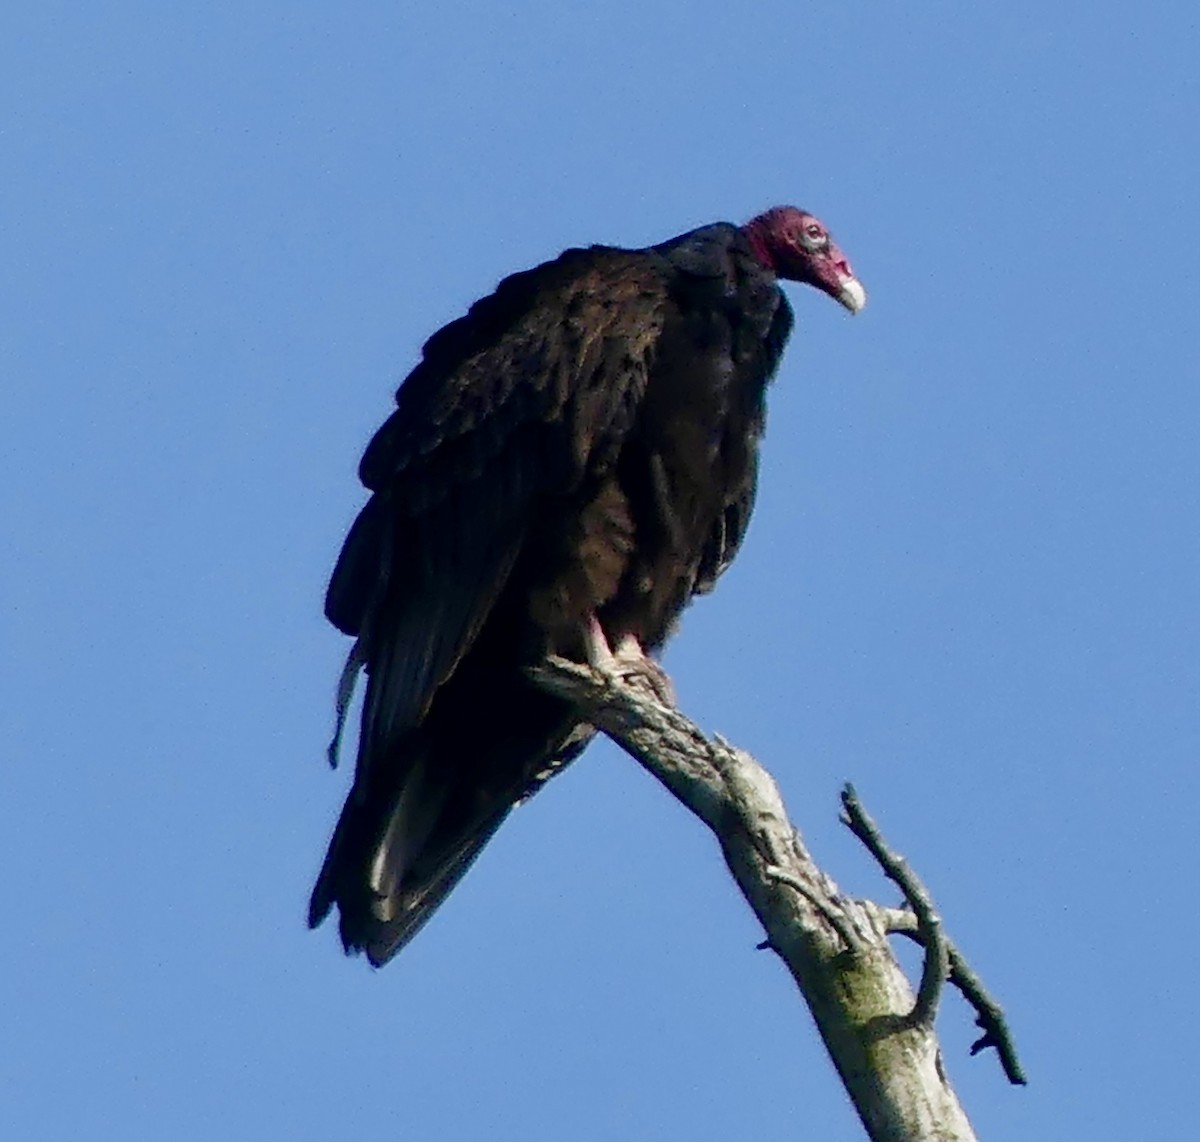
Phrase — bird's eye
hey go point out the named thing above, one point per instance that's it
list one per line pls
(813, 237)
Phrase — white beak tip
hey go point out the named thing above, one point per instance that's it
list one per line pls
(852, 295)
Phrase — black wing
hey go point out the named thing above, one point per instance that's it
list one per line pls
(500, 421)
(499, 417)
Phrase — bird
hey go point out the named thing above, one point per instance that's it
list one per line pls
(566, 467)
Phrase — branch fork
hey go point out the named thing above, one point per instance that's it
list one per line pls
(878, 1033)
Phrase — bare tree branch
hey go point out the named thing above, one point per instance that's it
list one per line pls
(929, 924)
(832, 916)
(989, 1016)
(837, 949)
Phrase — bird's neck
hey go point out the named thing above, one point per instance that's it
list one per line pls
(756, 234)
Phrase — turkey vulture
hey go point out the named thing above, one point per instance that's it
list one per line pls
(569, 463)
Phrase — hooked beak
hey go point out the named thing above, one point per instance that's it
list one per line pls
(851, 294)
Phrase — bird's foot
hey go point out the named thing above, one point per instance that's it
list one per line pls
(639, 669)
(629, 662)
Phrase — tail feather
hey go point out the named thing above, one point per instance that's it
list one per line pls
(393, 859)
(419, 814)
(409, 829)
(418, 901)
(386, 891)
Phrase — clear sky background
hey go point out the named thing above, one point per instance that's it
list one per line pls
(972, 584)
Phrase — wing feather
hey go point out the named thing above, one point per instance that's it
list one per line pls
(502, 417)
(761, 359)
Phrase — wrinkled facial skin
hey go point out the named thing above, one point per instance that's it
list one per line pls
(798, 247)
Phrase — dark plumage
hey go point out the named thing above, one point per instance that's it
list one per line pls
(580, 447)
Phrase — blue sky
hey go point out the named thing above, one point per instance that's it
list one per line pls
(971, 585)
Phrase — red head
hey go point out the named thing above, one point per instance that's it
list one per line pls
(797, 247)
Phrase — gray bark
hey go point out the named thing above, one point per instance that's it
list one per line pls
(878, 1034)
